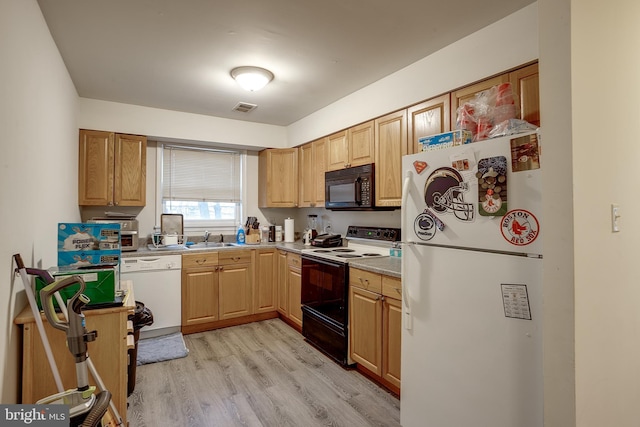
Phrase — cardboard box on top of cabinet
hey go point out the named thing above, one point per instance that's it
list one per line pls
(82, 244)
(445, 140)
(100, 284)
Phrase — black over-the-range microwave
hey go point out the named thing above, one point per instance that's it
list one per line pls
(351, 189)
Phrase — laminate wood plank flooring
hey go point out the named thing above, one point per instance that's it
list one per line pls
(258, 374)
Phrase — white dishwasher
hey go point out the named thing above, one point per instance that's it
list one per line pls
(156, 283)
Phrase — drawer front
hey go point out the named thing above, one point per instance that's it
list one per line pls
(294, 260)
(365, 280)
(391, 287)
(234, 257)
(199, 260)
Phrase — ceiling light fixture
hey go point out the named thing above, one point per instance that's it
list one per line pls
(252, 78)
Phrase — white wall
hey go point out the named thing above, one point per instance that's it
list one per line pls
(38, 166)
(510, 42)
(555, 108)
(605, 74)
(177, 126)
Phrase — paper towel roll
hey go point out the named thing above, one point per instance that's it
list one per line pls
(288, 230)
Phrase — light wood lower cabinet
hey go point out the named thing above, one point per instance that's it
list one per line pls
(294, 282)
(283, 289)
(235, 280)
(218, 289)
(265, 297)
(199, 288)
(366, 328)
(290, 288)
(108, 353)
(375, 324)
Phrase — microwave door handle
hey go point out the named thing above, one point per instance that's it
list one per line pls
(358, 184)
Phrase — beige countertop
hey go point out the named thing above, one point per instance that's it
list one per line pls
(390, 266)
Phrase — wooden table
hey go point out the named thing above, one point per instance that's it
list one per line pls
(108, 352)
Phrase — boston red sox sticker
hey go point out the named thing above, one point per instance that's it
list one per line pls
(519, 227)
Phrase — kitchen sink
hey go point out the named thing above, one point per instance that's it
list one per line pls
(203, 245)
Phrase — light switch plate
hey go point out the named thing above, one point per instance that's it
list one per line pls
(615, 214)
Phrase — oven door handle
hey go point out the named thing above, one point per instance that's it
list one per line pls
(321, 261)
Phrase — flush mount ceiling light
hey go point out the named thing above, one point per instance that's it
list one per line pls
(252, 78)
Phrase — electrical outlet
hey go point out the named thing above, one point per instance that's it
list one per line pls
(615, 214)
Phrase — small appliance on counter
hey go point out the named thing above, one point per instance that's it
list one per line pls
(327, 240)
(128, 230)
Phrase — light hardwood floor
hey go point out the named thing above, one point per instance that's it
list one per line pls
(259, 374)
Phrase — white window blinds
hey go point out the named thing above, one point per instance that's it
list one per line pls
(203, 175)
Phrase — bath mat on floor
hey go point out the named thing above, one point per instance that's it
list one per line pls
(158, 349)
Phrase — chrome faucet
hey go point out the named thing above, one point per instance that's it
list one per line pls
(206, 235)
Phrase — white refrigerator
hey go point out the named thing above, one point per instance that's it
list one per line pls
(472, 285)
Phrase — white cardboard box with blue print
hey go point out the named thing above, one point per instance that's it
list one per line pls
(82, 244)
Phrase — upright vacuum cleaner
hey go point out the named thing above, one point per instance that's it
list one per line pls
(86, 408)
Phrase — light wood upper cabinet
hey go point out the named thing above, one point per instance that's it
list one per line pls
(526, 88)
(390, 146)
(361, 144)
(337, 150)
(320, 167)
(312, 166)
(278, 182)
(428, 118)
(524, 84)
(467, 93)
(351, 147)
(112, 169)
(307, 177)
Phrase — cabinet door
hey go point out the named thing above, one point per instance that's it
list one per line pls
(294, 281)
(278, 183)
(234, 290)
(108, 353)
(95, 169)
(365, 329)
(199, 296)
(307, 176)
(283, 289)
(264, 295)
(391, 340)
(130, 177)
(391, 145)
(320, 167)
(526, 88)
(337, 151)
(467, 93)
(428, 118)
(361, 144)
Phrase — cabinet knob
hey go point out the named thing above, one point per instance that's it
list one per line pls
(217, 268)
(221, 268)
(236, 258)
(201, 261)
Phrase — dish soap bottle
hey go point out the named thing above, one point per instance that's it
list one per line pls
(240, 236)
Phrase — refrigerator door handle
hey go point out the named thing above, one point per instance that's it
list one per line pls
(406, 309)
